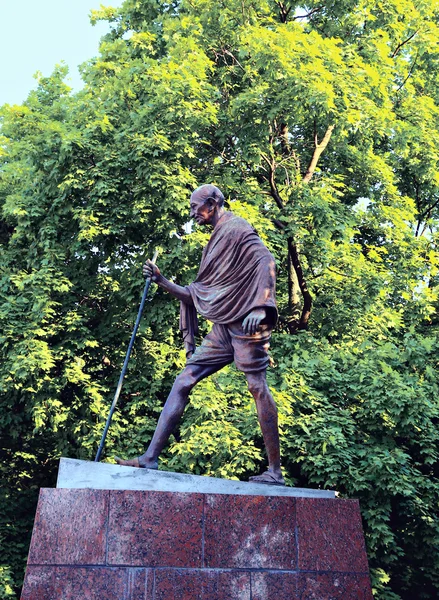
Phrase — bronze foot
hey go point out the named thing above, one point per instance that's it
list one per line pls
(136, 462)
(268, 478)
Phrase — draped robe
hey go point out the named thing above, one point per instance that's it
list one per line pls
(237, 275)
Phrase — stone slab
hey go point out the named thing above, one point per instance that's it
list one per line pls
(183, 584)
(332, 586)
(153, 545)
(250, 532)
(70, 528)
(86, 583)
(330, 535)
(80, 474)
(267, 585)
(155, 529)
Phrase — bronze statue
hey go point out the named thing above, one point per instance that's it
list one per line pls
(235, 289)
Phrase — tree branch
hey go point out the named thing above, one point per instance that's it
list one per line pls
(427, 212)
(279, 224)
(292, 248)
(295, 272)
(317, 153)
(400, 45)
(423, 218)
(409, 74)
(310, 13)
(284, 139)
(284, 11)
(273, 187)
(341, 274)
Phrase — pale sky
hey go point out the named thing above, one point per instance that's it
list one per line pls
(37, 34)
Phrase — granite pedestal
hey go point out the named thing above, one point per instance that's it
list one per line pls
(139, 544)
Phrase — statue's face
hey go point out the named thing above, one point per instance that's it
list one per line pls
(202, 209)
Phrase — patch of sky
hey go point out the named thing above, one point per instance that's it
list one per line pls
(38, 35)
(362, 204)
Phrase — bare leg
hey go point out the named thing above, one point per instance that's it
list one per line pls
(267, 416)
(171, 414)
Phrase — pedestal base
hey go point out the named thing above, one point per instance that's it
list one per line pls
(151, 545)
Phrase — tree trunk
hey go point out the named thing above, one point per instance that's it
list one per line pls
(307, 299)
(293, 295)
(298, 319)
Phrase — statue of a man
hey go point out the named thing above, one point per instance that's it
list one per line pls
(235, 289)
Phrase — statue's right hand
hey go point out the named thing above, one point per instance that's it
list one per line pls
(151, 270)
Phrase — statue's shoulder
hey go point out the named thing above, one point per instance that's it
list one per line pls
(230, 229)
(231, 221)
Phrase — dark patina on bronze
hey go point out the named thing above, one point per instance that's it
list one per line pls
(235, 289)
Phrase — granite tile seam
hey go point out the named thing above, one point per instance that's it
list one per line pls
(132, 583)
(203, 530)
(296, 539)
(129, 583)
(153, 584)
(107, 533)
(251, 587)
(202, 569)
(147, 586)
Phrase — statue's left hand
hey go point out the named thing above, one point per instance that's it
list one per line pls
(253, 320)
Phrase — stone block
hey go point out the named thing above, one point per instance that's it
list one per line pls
(249, 532)
(74, 474)
(275, 586)
(155, 529)
(330, 535)
(310, 586)
(86, 583)
(334, 586)
(70, 528)
(182, 584)
(177, 545)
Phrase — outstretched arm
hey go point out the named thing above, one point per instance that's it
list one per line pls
(179, 292)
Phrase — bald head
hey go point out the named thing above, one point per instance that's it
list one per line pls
(209, 191)
(207, 203)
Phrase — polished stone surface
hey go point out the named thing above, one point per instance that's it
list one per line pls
(333, 586)
(76, 474)
(275, 586)
(310, 586)
(93, 583)
(155, 529)
(207, 584)
(330, 535)
(250, 532)
(70, 528)
(139, 545)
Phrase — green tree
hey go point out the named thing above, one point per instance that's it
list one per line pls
(320, 123)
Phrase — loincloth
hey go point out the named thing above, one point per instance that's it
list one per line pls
(227, 343)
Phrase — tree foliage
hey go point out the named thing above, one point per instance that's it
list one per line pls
(320, 123)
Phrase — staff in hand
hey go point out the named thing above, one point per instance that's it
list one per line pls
(128, 354)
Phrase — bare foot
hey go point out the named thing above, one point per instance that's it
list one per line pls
(269, 478)
(140, 463)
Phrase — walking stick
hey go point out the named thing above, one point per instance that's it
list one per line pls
(125, 364)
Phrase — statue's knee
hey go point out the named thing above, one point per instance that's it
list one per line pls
(257, 386)
(185, 382)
